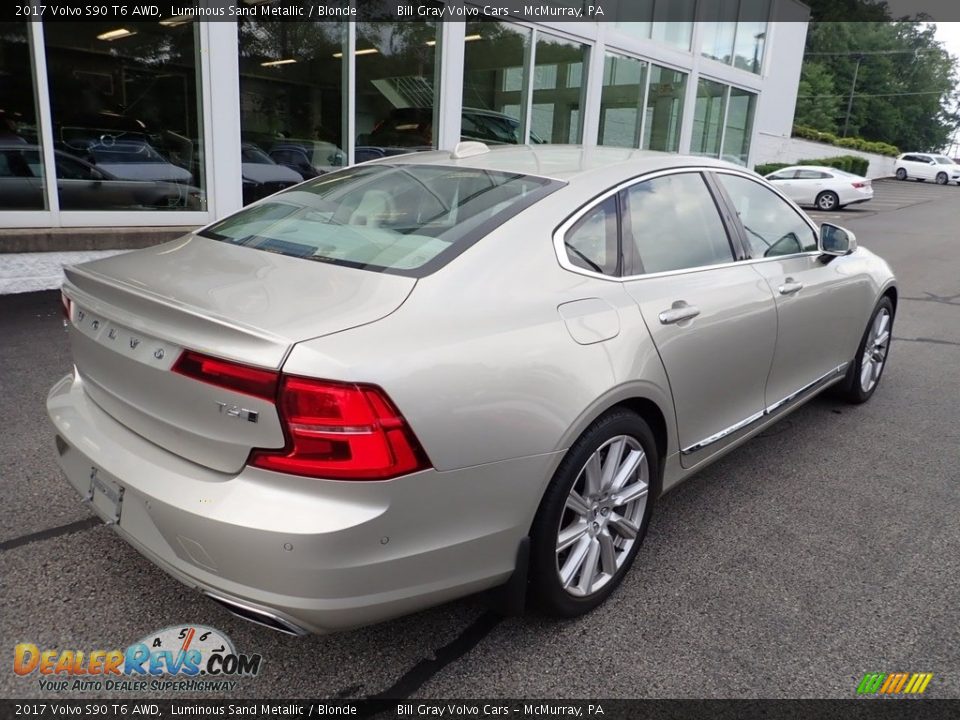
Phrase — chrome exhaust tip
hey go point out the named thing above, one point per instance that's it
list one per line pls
(257, 616)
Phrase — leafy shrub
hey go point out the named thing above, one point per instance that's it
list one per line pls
(854, 143)
(767, 168)
(848, 163)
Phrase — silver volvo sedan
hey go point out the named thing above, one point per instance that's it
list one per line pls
(431, 375)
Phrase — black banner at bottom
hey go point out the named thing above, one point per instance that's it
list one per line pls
(529, 709)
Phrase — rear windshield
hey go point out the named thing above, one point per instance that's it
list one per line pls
(404, 219)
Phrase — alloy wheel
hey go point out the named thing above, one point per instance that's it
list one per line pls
(602, 516)
(827, 201)
(875, 351)
(942, 179)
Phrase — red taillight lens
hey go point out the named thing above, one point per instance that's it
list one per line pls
(341, 431)
(230, 375)
(66, 305)
(860, 184)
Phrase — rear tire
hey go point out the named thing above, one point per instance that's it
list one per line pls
(942, 178)
(866, 369)
(901, 174)
(593, 516)
(827, 200)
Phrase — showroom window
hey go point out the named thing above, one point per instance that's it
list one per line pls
(739, 125)
(396, 79)
(558, 86)
(664, 109)
(493, 83)
(621, 100)
(708, 118)
(723, 121)
(665, 21)
(125, 110)
(734, 32)
(291, 103)
(21, 166)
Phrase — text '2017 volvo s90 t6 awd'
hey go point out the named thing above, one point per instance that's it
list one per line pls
(427, 376)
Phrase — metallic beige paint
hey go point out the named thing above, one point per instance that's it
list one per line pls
(498, 361)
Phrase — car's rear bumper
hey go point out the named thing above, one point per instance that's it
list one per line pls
(319, 555)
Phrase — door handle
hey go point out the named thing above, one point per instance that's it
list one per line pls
(790, 287)
(678, 313)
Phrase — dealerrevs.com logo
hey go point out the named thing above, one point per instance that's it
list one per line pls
(187, 658)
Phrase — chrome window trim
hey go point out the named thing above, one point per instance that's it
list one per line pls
(767, 411)
(564, 227)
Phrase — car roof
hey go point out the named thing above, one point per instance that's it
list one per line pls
(561, 162)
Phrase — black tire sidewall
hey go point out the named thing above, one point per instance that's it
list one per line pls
(901, 174)
(545, 589)
(945, 178)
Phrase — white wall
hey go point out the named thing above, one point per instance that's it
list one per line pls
(782, 64)
(770, 148)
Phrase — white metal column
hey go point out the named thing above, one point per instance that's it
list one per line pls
(590, 112)
(348, 78)
(220, 90)
(449, 88)
(45, 119)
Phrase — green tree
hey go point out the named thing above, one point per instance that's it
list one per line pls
(906, 82)
(818, 105)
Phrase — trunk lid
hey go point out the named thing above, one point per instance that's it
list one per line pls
(134, 314)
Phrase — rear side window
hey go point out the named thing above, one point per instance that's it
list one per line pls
(593, 242)
(772, 226)
(674, 224)
(406, 219)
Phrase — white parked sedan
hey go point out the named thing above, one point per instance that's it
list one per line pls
(826, 188)
(927, 166)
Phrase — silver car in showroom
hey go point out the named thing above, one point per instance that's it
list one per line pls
(436, 374)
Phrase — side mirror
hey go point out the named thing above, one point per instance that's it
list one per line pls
(836, 241)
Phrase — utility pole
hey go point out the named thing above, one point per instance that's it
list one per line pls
(853, 86)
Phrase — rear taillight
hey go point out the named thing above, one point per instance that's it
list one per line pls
(860, 184)
(341, 431)
(66, 305)
(245, 379)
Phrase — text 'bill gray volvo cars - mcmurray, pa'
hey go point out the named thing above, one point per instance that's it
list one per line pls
(440, 373)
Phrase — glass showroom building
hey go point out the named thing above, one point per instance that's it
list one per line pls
(176, 122)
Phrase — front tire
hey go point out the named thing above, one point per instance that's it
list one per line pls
(594, 515)
(863, 376)
(827, 200)
(942, 178)
(901, 174)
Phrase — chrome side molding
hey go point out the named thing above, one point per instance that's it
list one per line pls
(769, 410)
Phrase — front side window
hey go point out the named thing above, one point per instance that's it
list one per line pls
(674, 224)
(593, 242)
(773, 228)
(407, 219)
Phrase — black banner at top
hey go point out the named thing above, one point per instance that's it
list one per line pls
(461, 10)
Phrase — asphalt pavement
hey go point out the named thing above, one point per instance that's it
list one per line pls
(825, 548)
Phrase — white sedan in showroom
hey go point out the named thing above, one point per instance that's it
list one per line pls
(825, 188)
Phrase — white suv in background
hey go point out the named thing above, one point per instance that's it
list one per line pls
(927, 166)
